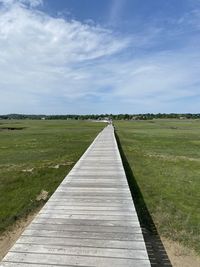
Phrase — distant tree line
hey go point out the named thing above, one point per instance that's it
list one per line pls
(146, 116)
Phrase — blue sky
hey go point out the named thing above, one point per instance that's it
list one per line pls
(91, 56)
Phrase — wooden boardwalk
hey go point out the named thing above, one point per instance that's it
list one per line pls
(89, 221)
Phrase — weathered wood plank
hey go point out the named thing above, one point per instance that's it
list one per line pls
(75, 260)
(82, 251)
(89, 221)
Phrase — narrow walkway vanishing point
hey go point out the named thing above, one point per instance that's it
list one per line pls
(90, 220)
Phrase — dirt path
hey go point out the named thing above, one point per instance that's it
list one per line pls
(9, 237)
(179, 255)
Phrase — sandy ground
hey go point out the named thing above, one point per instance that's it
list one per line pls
(178, 255)
(9, 237)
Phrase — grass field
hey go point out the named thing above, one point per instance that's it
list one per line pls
(35, 156)
(164, 156)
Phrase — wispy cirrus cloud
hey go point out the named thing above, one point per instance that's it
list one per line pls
(56, 65)
(32, 3)
(115, 11)
(40, 54)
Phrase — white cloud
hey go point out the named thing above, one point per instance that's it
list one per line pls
(160, 76)
(32, 3)
(42, 55)
(53, 65)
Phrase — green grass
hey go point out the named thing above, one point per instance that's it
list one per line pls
(164, 156)
(28, 158)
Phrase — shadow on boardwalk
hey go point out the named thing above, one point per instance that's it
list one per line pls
(156, 251)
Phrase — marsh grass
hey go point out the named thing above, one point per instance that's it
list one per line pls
(164, 156)
(37, 157)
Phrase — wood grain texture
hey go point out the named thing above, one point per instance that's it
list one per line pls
(90, 220)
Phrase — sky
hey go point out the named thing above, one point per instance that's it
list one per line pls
(91, 56)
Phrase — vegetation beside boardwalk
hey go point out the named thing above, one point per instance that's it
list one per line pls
(145, 116)
(164, 156)
(35, 156)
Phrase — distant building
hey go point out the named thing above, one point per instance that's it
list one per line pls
(105, 119)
